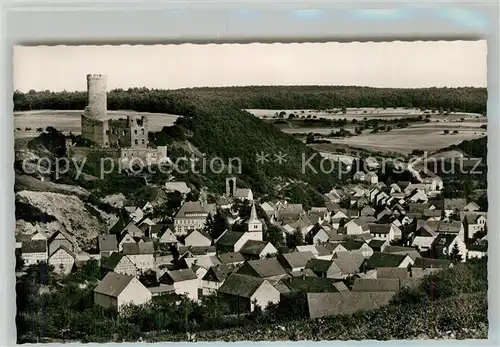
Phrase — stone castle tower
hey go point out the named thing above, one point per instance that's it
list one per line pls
(126, 137)
(96, 97)
(94, 123)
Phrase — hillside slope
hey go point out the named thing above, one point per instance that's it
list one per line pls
(50, 212)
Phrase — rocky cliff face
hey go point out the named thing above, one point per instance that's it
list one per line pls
(68, 213)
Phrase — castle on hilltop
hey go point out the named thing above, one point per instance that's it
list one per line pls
(124, 138)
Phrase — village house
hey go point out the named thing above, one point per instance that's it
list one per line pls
(424, 236)
(324, 268)
(358, 246)
(367, 211)
(356, 227)
(232, 258)
(62, 260)
(243, 194)
(454, 205)
(443, 246)
(320, 234)
(359, 176)
(333, 196)
(145, 225)
(214, 278)
(180, 187)
(141, 254)
(224, 203)
(417, 195)
(304, 225)
(231, 241)
(378, 245)
(34, 252)
(472, 224)
(433, 183)
(257, 249)
(118, 290)
(371, 178)
(433, 214)
(451, 227)
(383, 231)
(338, 217)
(59, 238)
(380, 259)
(167, 237)
(191, 216)
(119, 263)
(287, 213)
(380, 198)
(321, 213)
(394, 189)
(334, 247)
(348, 262)
(269, 209)
(107, 244)
(295, 261)
(134, 213)
(471, 207)
(206, 261)
(267, 268)
(332, 208)
(197, 238)
(124, 239)
(319, 251)
(242, 293)
(133, 230)
(412, 252)
(185, 282)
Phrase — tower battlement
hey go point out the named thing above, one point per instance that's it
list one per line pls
(95, 76)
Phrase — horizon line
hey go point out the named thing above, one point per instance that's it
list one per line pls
(260, 85)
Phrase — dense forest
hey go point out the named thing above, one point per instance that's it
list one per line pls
(265, 97)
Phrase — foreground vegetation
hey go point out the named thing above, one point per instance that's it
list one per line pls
(452, 303)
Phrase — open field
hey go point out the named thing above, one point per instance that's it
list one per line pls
(425, 136)
(369, 112)
(67, 121)
(407, 139)
(352, 113)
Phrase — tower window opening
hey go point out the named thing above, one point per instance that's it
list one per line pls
(135, 131)
(136, 142)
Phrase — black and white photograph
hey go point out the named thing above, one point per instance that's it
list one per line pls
(251, 192)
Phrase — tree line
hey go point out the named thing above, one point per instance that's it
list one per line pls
(465, 99)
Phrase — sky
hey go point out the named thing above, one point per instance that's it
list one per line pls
(375, 64)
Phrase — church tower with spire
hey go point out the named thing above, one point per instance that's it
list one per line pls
(254, 225)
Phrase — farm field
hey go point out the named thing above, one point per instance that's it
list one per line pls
(407, 139)
(67, 121)
(425, 136)
(352, 113)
